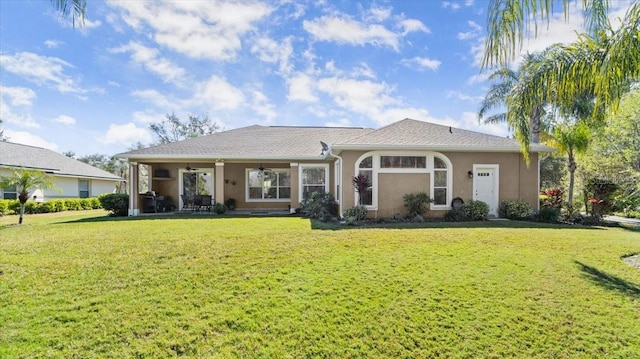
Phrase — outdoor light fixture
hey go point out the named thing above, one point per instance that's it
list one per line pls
(470, 173)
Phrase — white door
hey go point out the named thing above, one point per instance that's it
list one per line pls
(485, 186)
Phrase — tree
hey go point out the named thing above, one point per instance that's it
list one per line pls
(25, 181)
(172, 129)
(2, 136)
(573, 139)
(602, 62)
(76, 8)
(503, 93)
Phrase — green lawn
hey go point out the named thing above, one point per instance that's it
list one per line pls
(74, 286)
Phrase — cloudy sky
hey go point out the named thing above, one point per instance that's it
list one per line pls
(97, 88)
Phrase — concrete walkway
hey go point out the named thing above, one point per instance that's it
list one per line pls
(632, 221)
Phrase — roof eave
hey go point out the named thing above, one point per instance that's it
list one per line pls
(213, 157)
(456, 148)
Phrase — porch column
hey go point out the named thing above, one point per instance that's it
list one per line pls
(219, 182)
(295, 187)
(133, 189)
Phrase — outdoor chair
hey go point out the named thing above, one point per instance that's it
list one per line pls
(205, 202)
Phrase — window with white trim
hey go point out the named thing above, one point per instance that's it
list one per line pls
(403, 162)
(365, 168)
(83, 188)
(9, 193)
(313, 178)
(440, 181)
(269, 185)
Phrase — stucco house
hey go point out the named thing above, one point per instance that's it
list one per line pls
(73, 178)
(275, 167)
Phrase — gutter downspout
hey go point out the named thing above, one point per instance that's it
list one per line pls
(339, 181)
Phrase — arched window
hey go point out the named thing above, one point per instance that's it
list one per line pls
(365, 168)
(440, 181)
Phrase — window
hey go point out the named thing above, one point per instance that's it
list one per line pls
(403, 162)
(440, 176)
(313, 179)
(9, 193)
(366, 169)
(83, 187)
(268, 185)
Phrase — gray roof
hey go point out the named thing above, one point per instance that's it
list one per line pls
(294, 143)
(16, 155)
(253, 142)
(410, 133)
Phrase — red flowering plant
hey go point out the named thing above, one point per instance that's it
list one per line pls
(553, 198)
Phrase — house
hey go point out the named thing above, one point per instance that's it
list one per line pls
(73, 179)
(276, 167)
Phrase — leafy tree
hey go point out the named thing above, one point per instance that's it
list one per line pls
(173, 129)
(552, 171)
(573, 140)
(602, 62)
(2, 136)
(25, 181)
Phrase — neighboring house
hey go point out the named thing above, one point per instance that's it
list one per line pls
(72, 178)
(276, 167)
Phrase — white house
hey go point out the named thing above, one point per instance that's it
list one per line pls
(74, 179)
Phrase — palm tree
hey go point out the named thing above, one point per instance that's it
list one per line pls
(602, 61)
(573, 140)
(75, 8)
(25, 181)
(501, 94)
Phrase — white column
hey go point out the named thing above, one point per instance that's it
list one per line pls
(133, 188)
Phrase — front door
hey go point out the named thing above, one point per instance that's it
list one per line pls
(485, 186)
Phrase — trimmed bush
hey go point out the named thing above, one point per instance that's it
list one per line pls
(548, 214)
(416, 203)
(219, 208)
(320, 206)
(116, 203)
(4, 206)
(515, 209)
(358, 213)
(475, 210)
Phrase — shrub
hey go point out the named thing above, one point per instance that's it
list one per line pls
(116, 203)
(552, 197)
(515, 209)
(601, 193)
(455, 215)
(4, 206)
(416, 203)
(320, 206)
(358, 213)
(476, 210)
(548, 214)
(219, 208)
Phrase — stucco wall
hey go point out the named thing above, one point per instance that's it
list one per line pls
(393, 186)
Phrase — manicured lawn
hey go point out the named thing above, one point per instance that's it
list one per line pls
(276, 288)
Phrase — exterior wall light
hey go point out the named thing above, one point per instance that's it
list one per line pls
(470, 174)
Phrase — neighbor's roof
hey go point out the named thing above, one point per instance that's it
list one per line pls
(413, 134)
(253, 142)
(298, 143)
(14, 155)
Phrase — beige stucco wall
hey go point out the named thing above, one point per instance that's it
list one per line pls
(516, 180)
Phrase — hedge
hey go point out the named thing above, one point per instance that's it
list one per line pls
(12, 206)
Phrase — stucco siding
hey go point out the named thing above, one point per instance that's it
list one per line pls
(393, 186)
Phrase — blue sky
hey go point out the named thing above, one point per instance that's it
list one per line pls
(97, 88)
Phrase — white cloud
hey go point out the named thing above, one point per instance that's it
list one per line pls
(42, 70)
(151, 60)
(30, 139)
(363, 70)
(301, 89)
(268, 50)
(470, 122)
(361, 96)
(343, 30)
(148, 116)
(262, 106)
(421, 63)
(478, 78)
(342, 122)
(52, 44)
(153, 96)
(127, 134)
(113, 83)
(18, 96)
(469, 2)
(464, 97)
(65, 120)
(198, 29)
(451, 5)
(412, 25)
(474, 31)
(218, 94)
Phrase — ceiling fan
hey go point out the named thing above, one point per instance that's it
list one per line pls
(189, 168)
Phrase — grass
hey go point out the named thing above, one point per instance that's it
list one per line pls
(82, 286)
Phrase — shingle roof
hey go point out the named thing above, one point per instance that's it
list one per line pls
(17, 155)
(278, 142)
(283, 142)
(420, 134)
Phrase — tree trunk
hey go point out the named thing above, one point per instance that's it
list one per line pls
(21, 213)
(534, 124)
(572, 169)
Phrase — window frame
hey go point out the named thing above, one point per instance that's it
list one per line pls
(10, 190)
(80, 190)
(265, 200)
(430, 170)
(302, 167)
